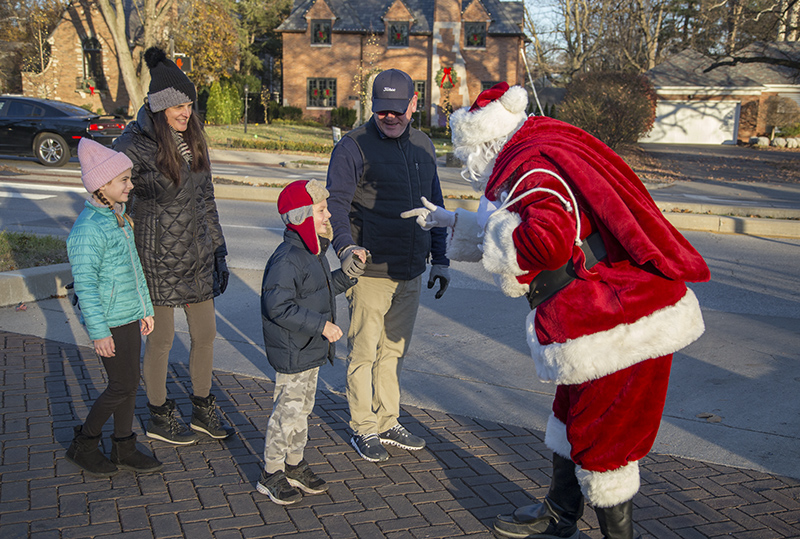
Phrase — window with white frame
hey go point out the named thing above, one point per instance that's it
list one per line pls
(321, 93)
(398, 34)
(320, 32)
(475, 35)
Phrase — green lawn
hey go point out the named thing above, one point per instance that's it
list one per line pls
(23, 250)
(219, 136)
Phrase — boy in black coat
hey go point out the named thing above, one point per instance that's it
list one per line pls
(297, 314)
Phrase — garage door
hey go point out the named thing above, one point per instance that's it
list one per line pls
(695, 122)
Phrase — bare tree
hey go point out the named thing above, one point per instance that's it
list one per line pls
(154, 16)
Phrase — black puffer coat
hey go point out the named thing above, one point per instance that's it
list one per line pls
(297, 298)
(177, 229)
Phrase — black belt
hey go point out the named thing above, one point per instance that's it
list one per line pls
(547, 283)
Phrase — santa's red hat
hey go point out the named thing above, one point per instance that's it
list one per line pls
(294, 205)
(497, 113)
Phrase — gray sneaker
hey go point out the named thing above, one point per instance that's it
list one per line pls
(399, 436)
(302, 477)
(278, 488)
(369, 447)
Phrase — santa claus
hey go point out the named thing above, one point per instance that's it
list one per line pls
(564, 221)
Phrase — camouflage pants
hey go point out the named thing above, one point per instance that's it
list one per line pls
(287, 430)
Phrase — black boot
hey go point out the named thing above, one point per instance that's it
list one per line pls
(556, 517)
(617, 522)
(205, 418)
(164, 426)
(84, 453)
(127, 456)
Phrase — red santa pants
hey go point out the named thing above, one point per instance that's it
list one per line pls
(614, 420)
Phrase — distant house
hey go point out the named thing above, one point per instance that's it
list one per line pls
(725, 105)
(83, 68)
(452, 49)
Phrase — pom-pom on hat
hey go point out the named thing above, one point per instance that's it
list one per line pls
(392, 91)
(100, 165)
(497, 112)
(169, 86)
(294, 205)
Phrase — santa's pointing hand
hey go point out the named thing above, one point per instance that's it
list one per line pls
(431, 215)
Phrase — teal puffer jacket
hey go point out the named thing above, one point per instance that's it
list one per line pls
(109, 280)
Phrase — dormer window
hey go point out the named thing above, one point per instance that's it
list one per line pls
(321, 32)
(398, 34)
(475, 35)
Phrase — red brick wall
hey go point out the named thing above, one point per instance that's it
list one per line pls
(58, 80)
(341, 60)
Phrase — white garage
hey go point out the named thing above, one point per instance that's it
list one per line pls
(695, 122)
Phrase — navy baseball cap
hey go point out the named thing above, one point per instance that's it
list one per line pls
(392, 91)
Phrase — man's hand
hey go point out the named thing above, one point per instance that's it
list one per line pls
(431, 215)
(354, 260)
(442, 274)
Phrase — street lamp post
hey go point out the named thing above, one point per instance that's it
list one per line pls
(246, 89)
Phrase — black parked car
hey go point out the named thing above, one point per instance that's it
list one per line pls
(50, 130)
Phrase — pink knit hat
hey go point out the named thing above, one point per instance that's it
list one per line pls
(100, 165)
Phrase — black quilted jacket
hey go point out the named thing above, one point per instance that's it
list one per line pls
(177, 229)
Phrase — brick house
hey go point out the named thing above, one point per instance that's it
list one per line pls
(726, 105)
(83, 69)
(452, 49)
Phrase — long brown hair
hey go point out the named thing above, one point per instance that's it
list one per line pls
(168, 158)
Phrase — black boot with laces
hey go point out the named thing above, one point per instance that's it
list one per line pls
(206, 418)
(164, 426)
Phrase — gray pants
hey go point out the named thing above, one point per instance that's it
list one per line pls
(287, 430)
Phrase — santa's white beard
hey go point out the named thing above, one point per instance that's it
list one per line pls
(478, 161)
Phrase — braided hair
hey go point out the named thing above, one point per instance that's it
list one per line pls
(102, 198)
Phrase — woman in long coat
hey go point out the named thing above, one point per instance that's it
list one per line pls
(180, 243)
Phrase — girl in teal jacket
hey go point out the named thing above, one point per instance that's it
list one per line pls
(115, 307)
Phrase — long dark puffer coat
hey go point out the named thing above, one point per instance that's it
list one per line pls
(297, 298)
(177, 229)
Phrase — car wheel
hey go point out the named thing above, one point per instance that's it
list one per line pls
(51, 150)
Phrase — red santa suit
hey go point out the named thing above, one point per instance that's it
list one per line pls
(608, 337)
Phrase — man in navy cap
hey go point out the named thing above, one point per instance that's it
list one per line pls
(376, 172)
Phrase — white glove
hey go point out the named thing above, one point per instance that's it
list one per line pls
(431, 215)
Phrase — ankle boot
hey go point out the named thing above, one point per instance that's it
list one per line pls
(127, 456)
(617, 522)
(556, 517)
(205, 418)
(84, 453)
(164, 426)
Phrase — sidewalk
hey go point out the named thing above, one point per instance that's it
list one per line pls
(470, 471)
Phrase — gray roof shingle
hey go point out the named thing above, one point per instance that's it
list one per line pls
(687, 69)
(364, 16)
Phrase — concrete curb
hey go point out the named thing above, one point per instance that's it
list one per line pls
(33, 284)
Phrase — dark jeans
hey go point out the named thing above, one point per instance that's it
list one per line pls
(119, 397)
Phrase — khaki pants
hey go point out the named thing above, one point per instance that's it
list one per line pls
(287, 430)
(202, 331)
(382, 315)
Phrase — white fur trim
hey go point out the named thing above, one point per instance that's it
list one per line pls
(607, 489)
(462, 245)
(510, 286)
(496, 120)
(500, 253)
(602, 489)
(596, 355)
(555, 437)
